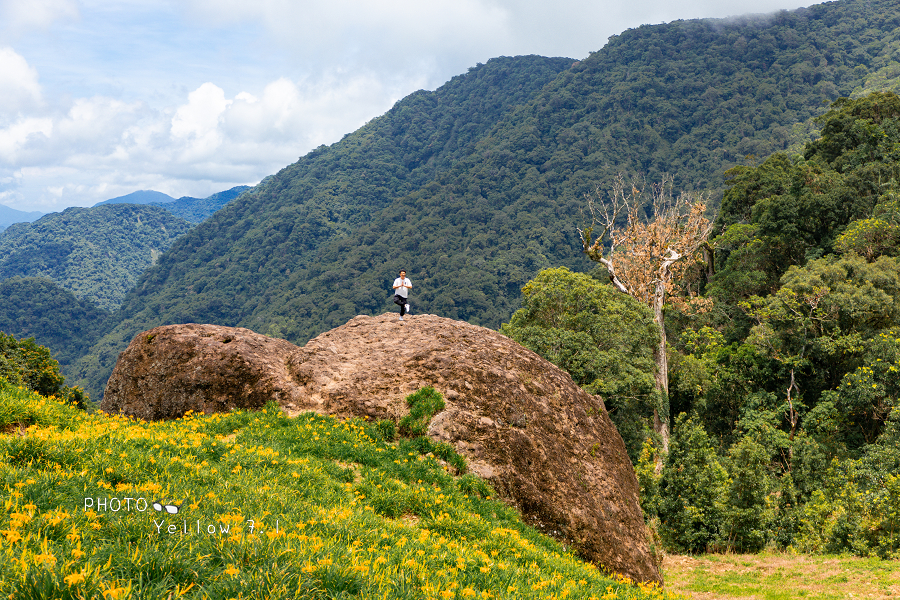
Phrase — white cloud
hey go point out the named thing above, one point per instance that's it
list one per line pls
(101, 147)
(16, 138)
(19, 87)
(196, 124)
(96, 126)
(24, 14)
(406, 22)
(307, 113)
(384, 36)
(404, 35)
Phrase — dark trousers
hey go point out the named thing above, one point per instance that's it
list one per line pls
(398, 299)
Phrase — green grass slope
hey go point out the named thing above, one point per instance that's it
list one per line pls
(268, 507)
(475, 187)
(96, 253)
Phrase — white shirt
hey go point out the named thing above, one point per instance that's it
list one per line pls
(398, 286)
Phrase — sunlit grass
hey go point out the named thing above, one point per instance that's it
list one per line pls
(783, 576)
(268, 507)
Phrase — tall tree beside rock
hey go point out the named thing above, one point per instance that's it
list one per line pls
(647, 257)
(605, 340)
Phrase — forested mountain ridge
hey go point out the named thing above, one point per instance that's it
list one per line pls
(32, 307)
(195, 210)
(477, 186)
(693, 98)
(96, 253)
(140, 197)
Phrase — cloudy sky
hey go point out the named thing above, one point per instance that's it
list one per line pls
(100, 98)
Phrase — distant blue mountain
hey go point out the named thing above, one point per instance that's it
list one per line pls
(8, 216)
(140, 197)
(197, 210)
(192, 209)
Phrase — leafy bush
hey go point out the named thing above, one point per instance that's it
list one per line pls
(23, 362)
(423, 405)
(604, 339)
(470, 484)
(747, 515)
(875, 236)
(649, 479)
(386, 430)
(692, 490)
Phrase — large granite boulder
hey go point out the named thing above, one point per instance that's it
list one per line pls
(548, 447)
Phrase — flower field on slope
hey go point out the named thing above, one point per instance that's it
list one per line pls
(257, 505)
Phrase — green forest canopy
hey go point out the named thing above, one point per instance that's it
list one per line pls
(787, 391)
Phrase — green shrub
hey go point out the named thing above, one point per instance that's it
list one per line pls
(423, 405)
(748, 516)
(24, 363)
(385, 430)
(833, 520)
(786, 521)
(472, 485)
(884, 524)
(446, 453)
(604, 339)
(649, 479)
(691, 490)
(854, 507)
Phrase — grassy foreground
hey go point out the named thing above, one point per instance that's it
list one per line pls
(781, 577)
(258, 505)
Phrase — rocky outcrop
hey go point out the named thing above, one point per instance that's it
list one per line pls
(547, 446)
(169, 370)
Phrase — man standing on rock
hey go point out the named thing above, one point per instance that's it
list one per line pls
(402, 286)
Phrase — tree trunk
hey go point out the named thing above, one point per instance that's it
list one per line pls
(661, 421)
(793, 417)
(660, 418)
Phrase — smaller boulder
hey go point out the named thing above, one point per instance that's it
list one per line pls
(169, 370)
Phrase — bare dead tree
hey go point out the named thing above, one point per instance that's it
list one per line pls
(644, 256)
